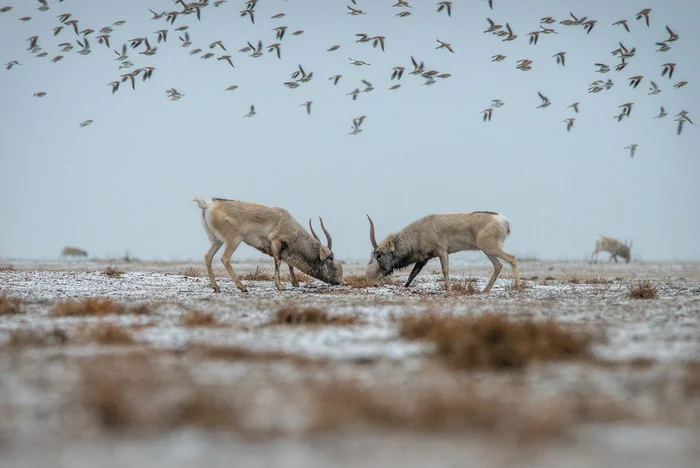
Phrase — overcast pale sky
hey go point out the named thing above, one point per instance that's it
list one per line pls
(126, 181)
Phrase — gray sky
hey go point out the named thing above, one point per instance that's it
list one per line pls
(126, 181)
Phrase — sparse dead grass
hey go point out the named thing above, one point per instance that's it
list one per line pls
(10, 305)
(465, 287)
(197, 318)
(7, 267)
(125, 392)
(691, 380)
(113, 272)
(26, 338)
(573, 279)
(643, 289)
(344, 405)
(238, 353)
(357, 281)
(597, 280)
(494, 341)
(294, 315)
(107, 334)
(191, 272)
(259, 274)
(98, 307)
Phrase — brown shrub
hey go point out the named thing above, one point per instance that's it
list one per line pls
(357, 281)
(643, 290)
(691, 380)
(108, 334)
(573, 279)
(198, 318)
(259, 274)
(494, 341)
(98, 307)
(346, 404)
(126, 393)
(293, 315)
(191, 271)
(53, 337)
(465, 287)
(7, 267)
(91, 306)
(301, 277)
(237, 353)
(10, 305)
(597, 280)
(113, 272)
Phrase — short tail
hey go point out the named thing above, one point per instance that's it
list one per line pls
(201, 202)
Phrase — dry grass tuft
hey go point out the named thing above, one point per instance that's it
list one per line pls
(237, 353)
(10, 305)
(191, 271)
(494, 341)
(98, 307)
(108, 334)
(465, 287)
(643, 290)
(691, 380)
(126, 393)
(293, 315)
(357, 281)
(22, 338)
(573, 279)
(597, 280)
(259, 274)
(113, 272)
(198, 318)
(347, 404)
(91, 306)
(7, 267)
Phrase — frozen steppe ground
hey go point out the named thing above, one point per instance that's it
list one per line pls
(280, 390)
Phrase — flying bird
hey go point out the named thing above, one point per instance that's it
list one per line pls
(569, 123)
(445, 6)
(356, 125)
(632, 148)
(252, 111)
(635, 80)
(644, 14)
(545, 101)
(574, 106)
(668, 68)
(662, 113)
(308, 106)
(622, 23)
(560, 58)
(445, 45)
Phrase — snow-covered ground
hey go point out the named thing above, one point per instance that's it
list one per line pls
(44, 420)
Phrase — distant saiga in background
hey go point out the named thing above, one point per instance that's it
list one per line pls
(73, 252)
(614, 247)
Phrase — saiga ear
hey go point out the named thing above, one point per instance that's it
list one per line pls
(391, 246)
(324, 253)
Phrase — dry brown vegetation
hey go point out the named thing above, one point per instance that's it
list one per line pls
(691, 381)
(346, 405)
(107, 334)
(597, 280)
(7, 267)
(191, 271)
(113, 272)
(126, 393)
(198, 318)
(293, 315)
(97, 306)
(573, 279)
(259, 274)
(357, 281)
(237, 353)
(465, 287)
(22, 338)
(10, 305)
(644, 289)
(495, 341)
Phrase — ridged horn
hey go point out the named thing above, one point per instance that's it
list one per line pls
(328, 236)
(313, 233)
(371, 233)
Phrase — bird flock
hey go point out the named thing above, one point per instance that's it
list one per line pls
(78, 38)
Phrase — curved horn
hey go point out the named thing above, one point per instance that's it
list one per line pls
(313, 233)
(371, 233)
(328, 236)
